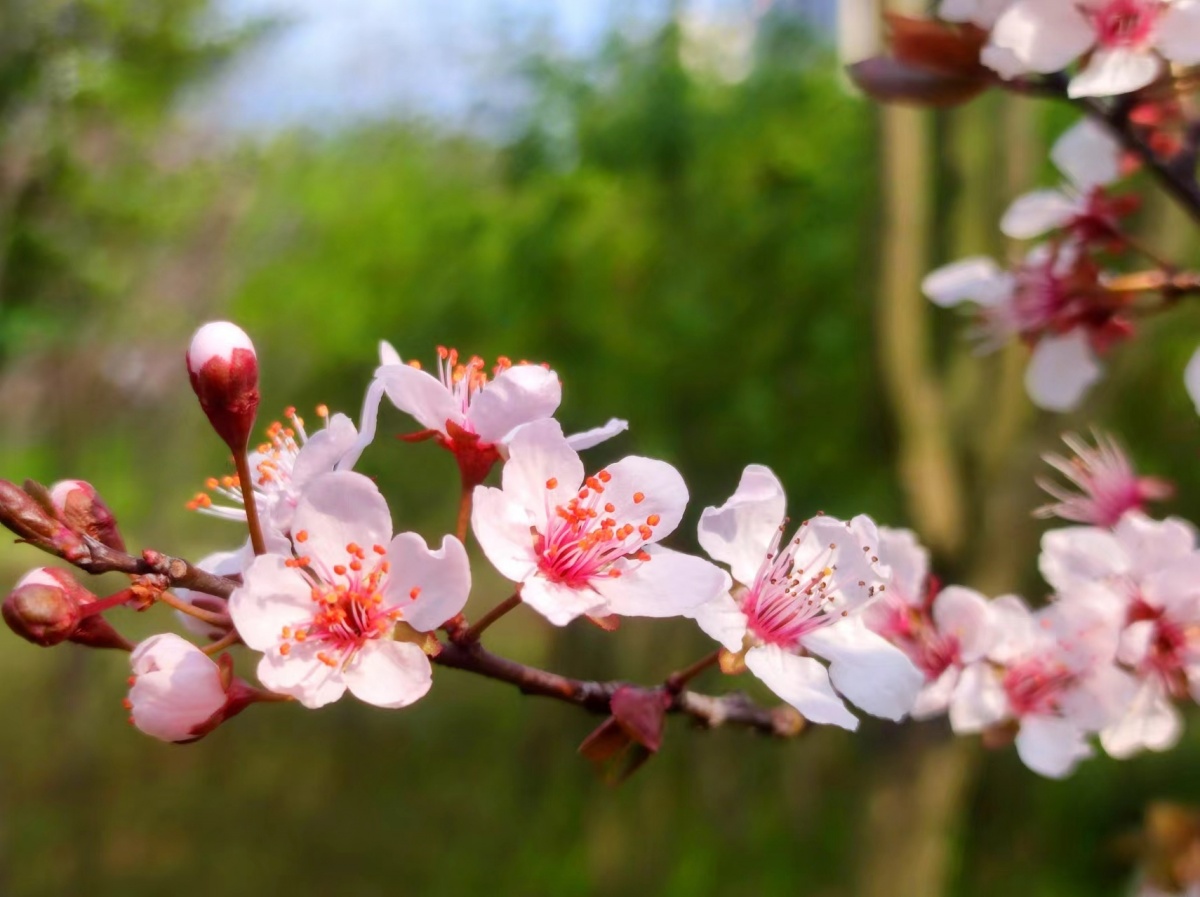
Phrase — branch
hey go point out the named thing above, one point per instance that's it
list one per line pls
(709, 711)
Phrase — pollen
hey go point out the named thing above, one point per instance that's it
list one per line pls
(551, 483)
(302, 536)
(639, 497)
(414, 593)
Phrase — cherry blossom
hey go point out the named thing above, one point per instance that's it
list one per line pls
(801, 599)
(472, 413)
(178, 692)
(1125, 40)
(289, 459)
(1090, 158)
(1147, 571)
(346, 605)
(587, 545)
(1050, 675)
(939, 630)
(1052, 300)
(1105, 483)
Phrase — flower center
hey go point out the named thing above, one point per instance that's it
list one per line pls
(788, 600)
(1125, 23)
(349, 609)
(1035, 686)
(584, 540)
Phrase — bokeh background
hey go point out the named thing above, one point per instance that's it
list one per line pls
(685, 210)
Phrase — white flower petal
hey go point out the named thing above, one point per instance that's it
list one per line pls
(1088, 154)
(271, 597)
(302, 675)
(934, 699)
(1191, 379)
(967, 616)
(323, 450)
(978, 700)
(421, 395)
(1075, 557)
(1038, 213)
(1149, 723)
(440, 581)
(389, 674)
(1046, 35)
(1115, 71)
(335, 510)
(1178, 32)
(723, 620)
(871, 672)
(518, 395)
(669, 584)
(1051, 747)
(739, 532)
(976, 279)
(558, 603)
(589, 438)
(388, 354)
(802, 682)
(542, 470)
(1061, 371)
(662, 490)
(504, 530)
(908, 560)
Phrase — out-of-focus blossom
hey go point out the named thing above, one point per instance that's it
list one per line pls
(1104, 484)
(803, 598)
(588, 545)
(976, 12)
(345, 606)
(1125, 41)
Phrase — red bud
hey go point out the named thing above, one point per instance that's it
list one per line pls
(26, 517)
(80, 507)
(223, 368)
(49, 607)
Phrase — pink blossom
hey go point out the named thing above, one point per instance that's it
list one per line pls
(588, 545)
(178, 692)
(345, 605)
(802, 598)
(1105, 483)
(472, 413)
(1125, 40)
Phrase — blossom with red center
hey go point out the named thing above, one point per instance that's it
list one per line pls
(286, 462)
(1050, 674)
(472, 412)
(1105, 483)
(587, 545)
(178, 693)
(800, 598)
(1124, 41)
(329, 614)
(939, 630)
(1148, 572)
(1052, 300)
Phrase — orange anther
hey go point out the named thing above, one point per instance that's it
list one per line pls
(302, 536)
(289, 411)
(127, 704)
(322, 411)
(653, 520)
(645, 532)
(610, 507)
(414, 592)
(211, 483)
(379, 549)
(638, 498)
(339, 569)
(551, 483)
(285, 649)
(356, 566)
(604, 476)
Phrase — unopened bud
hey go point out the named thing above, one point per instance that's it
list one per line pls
(49, 607)
(223, 369)
(179, 693)
(80, 507)
(42, 609)
(25, 516)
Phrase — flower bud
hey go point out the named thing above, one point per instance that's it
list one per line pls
(223, 369)
(25, 516)
(42, 609)
(49, 607)
(179, 693)
(80, 507)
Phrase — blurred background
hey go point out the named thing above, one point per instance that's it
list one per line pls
(683, 208)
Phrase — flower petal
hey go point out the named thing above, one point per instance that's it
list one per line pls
(1088, 154)
(597, 435)
(1178, 32)
(1037, 213)
(1051, 747)
(558, 603)
(1115, 71)
(669, 584)
(504, 530)
(518, 395)
(271, 597)
(978, 700)
(967, 616)
(802, 682)
(421, 395)
(1061, 371)
(302, 675)
(723, 620)
(662, 489)
(389, 674)
(739, 532)
(870, 671)
(542, 471)
(977, 279)
(324, 449)
(1150, 723)
(1046, 35)
(1191, 379)
(909, 562)
(430, 586)
(335, 510)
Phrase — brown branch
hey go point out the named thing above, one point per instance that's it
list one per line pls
(734, 709)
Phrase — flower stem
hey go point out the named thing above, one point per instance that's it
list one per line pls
(184, 607)
(229, 639)
(242, 462)
(473, 633)
(677, 680)
(464, 514)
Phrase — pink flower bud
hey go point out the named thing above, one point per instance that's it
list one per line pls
(25, 516)
(80, 507)
(42, 609)
(179, 693)
(49, 607)
(223, 369)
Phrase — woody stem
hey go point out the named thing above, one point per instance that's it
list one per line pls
(676, 681)
(242, 462)
(474, 632)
